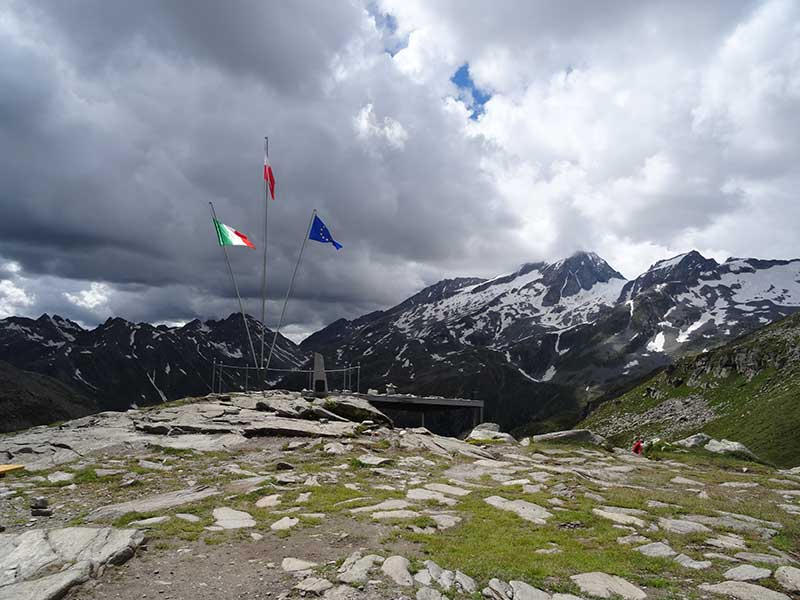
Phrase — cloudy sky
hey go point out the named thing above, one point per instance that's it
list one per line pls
(435, 137)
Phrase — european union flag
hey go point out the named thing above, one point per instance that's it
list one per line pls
(320, 233)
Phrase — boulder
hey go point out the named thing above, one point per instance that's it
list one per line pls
(730, 448)
(694, 441)
(396, 569)
(490, 432)
(789, 578)
(572, 436)
(356, 409)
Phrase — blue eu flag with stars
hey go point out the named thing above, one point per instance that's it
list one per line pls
(320, 233)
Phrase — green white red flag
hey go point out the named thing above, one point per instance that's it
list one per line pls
(228, 236)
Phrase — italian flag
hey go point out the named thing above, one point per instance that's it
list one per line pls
(269, 176)
(228, 236)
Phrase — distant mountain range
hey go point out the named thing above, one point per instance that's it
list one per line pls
(541, 343)
(120, 364)
(538, 345)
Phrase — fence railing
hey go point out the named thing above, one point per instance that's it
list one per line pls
(226, 378)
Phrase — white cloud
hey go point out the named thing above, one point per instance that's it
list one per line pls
(367, 126)
(13, 298)
(96, 296)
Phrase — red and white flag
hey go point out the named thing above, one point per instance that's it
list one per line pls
(269, 176)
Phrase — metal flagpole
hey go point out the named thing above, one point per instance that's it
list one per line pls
(236, 287)
(291, 285)
(264, 270)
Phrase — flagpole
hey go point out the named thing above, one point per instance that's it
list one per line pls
(289, 291)
(264, 270)
(236, 287)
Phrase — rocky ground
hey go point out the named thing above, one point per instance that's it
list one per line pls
(255, 496)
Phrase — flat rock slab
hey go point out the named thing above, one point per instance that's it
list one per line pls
(746, 573)
(292, 565)
(682, 527)
(524, 591)
(727, 541)
(620, 518)
(444, 488)
(157, 503)
(769, 559)
(284, 523)
(60, 477)
(743, 591)
(188, 517)
(690, 563)
(385, 505)
(525, 510)
(313, 585)
(430, 495)
(26, 556)
(571, 436)
(370, 460)
(269, 501)
(228, 518)
(149, 522)
(686, 481)
(602, 585)
(657, 550)
(384, 515)
(46, 588)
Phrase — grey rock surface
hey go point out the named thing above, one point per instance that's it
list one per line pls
(26, 559)
(157, 503)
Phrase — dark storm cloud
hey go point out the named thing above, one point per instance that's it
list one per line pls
(617, 127)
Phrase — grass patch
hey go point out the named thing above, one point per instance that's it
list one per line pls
(495, 543)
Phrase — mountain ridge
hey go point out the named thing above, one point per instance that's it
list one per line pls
(577, 325)
(538, 344)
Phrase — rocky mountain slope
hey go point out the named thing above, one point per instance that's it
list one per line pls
(539, 343)
(120, 364)
(747, 390)
(220, 497)
(28, 399)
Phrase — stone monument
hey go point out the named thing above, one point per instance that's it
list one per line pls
(320, 383)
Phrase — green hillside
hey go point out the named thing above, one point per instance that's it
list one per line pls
(747, 391)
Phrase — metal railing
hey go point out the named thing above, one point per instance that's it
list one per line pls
(227, 378)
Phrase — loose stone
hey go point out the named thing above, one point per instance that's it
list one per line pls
(746, 573)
